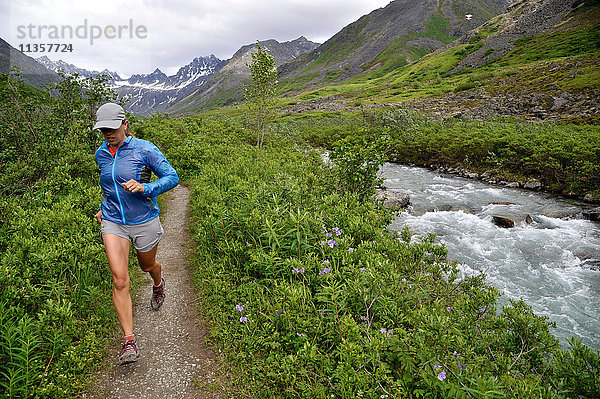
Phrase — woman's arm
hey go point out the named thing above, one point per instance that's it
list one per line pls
(167, 176)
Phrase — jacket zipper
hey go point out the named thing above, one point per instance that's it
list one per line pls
(117, 187)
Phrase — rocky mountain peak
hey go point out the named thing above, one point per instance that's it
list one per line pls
(388, 35)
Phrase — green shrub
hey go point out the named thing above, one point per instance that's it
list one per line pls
(357, 160)
(55, 311)
(310, 295)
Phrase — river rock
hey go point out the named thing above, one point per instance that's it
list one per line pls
(503, 221)
(510, 221)
(591, 198)
(393, 199)
(592, 214)
(565, 214)
(533, 184)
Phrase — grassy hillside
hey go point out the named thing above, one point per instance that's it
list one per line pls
(562, 60)
(388, 38)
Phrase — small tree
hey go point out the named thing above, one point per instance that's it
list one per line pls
(260, 94)
(357, 160)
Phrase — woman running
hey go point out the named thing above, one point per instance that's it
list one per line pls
(129, 212)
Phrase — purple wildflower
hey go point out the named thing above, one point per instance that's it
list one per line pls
(277, 313)
(239, 308)
(326, 262)
(441, 376)
(243, 319)
(437, 367)
(325, 271)
(332, 243)
(461, 366)
(448, 308)
(295, 270)
(364, 319)
(386, 332)
(456, 354)
(363, 269)
(337, 231)
(350, 249)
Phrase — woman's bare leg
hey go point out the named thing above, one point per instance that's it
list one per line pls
(149, 264)
(117, 252)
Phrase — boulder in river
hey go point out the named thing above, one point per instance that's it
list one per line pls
(592, 214)
(533, 184)
(510, 221)
(393, 199)
(591, 198)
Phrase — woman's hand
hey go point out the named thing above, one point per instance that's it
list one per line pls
(133, 186)
(98, 217)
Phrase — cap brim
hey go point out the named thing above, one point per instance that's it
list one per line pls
(110, 124)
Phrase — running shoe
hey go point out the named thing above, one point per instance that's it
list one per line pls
(129, 352)
(158, 295)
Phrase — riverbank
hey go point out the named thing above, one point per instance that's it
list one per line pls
(591, 213)
(560, 158)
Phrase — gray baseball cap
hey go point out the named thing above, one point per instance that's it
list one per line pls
(109, 116)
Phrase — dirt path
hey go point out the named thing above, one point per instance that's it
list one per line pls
(173, 353)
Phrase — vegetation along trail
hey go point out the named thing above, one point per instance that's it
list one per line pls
(172, 350)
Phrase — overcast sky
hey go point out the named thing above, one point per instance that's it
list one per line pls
(138, 36)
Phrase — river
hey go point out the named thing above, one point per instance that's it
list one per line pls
(552, 263)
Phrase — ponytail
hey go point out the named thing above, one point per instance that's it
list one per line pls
(127, 132)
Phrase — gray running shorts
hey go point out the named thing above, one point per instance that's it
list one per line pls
(144, 236)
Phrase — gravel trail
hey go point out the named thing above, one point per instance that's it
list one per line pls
(173, 352)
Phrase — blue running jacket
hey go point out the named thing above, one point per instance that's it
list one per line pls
(120, 206)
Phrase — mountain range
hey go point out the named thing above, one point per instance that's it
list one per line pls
(537, 58)
(387, 38)
(392, 36)
(226, 85)
(32, 72)
(206, 77)
(152, 92)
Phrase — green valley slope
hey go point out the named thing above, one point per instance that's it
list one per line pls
(539, 61)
